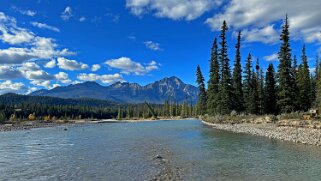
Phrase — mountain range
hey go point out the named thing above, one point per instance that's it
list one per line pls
(172, 89)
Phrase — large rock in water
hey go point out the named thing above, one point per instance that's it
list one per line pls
(172, 89)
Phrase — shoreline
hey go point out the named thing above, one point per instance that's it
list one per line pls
(33, 125)
(307, 136)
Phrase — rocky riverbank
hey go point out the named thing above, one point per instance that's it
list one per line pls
(304, 135)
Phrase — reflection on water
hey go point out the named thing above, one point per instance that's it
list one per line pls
(127, 151)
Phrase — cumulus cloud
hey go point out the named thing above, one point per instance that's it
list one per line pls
(62, 77)
(273, 57)
(66, 14)
(95, 67)
(38, 75)
(11, 33)
(266, 35)
(127, 66)
(176, 10)
(35, 47)
(12, 87)
(304, 17)
(50, 64)
(67, 64)
(9, 73)
(45, 26)
(152, 45)
(106, 79)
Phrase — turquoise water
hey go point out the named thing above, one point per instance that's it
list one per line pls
(189, 150)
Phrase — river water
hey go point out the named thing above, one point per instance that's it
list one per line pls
(163, 150)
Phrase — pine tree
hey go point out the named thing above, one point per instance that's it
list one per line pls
(213, 83)
(225, 88)
(201, 104)
(270, 92)
(238, 101)
(247, 82)
(285, 80)
(304, 82)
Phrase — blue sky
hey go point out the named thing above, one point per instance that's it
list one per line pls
(46, 43)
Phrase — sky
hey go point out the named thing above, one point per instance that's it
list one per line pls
(50, 43)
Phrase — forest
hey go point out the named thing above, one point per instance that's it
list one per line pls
(16, 108)
(251, 90)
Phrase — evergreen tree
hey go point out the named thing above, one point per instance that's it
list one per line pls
(285, 80)
(314, 80)
(270, 92)
(213, 83)
(318, 88)
(225, 88)
(296, 90)
(238, 101)
(201, 104)
(253, 107)
(304, 83)
(261, 93)
(247, 82)
(120, 114)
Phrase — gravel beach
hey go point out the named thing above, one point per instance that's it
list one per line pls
(298, 135)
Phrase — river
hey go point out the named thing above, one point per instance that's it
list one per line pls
(160, 150)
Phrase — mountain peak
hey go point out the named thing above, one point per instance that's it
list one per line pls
(169, 88)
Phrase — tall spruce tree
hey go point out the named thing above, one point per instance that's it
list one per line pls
(314, 80)
(238, 101)
(304, 82)
(261, 93)
(201, 104)
(318, 87)
(225, 88)
(214, 81)
(247, 82)
(270, 91)
(253, 106)
(296, 90)
(285, 80)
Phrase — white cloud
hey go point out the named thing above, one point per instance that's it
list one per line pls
(106, 79)
(67, 64)
(45, 26)
(46, 83)
(273, 57)
(35, 47)
(50, 64)
(95, 67)
(176, 10)
(152, 66)
(63, 77)
(266, 35)
(9, 73)
(304, 16)
(66, 14)
(152, 45)
(127, 66)
(11, 33)
(27, 12)
(12, 87)
(38, 75)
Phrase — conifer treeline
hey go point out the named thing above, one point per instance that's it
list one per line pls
(292, 88)
(15, 108)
